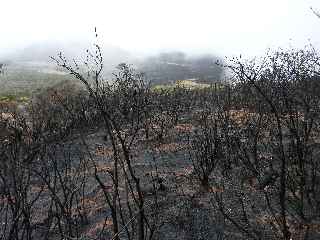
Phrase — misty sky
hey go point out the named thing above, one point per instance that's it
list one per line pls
(145, 26)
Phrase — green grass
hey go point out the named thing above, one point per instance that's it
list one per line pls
(14, 98)
(20, 85)
(191, 84)
(187, 84)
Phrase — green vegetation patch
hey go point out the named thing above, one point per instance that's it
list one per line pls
(14, 98)
(190, 84)
(21, 84)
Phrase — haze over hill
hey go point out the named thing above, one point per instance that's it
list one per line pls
(40, 52)
(141, 32)
(163, 67)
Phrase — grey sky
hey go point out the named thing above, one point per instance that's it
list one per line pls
(141, 26)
